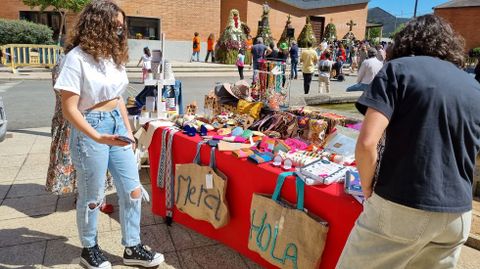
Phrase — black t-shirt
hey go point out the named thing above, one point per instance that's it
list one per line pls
(433, 135)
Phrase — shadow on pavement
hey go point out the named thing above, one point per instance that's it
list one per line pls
(30, 132)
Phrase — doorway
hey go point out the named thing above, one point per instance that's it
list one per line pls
(318, 26)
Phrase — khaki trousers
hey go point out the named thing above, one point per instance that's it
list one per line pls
(323, 81)
(390, 235)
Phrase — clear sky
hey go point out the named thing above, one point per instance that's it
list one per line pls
(404, 8)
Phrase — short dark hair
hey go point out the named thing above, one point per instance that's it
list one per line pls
(429, 35)
(328, 55)
(309, 44)
(195, 34)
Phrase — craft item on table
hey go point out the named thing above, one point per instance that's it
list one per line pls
(352, 133)
(303, 128)
(317, 131)
(243, 153)
(208, 202)
(324, 171)
(267, 144)
(229, 146)
(333, 120)
(191, 109)
(277, 161)
(296, 144)
(247, 134)
(189, 130)
(165, 172)
(249, 108)
(353, 185)
(145, 137)
(341, 145)
(297, 237)
(355, 126)
(237, 139)
(224, 131)
(281, 146)
(261, 157)
(237, 131)
(213, 143)
(302, 158)
(257, 133)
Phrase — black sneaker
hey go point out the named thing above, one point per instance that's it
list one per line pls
(142, 255)
(93, 258)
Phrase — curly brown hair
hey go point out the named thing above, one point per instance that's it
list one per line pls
(428, 35)
(95, 32)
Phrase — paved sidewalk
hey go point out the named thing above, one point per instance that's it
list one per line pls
(38, 230)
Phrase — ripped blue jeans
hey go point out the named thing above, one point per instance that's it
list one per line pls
(91, 161)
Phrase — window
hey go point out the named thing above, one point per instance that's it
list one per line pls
(143, 28)
(49, 18)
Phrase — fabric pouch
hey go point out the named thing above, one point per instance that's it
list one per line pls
(281, 146)
(252, 109)
(267, 144)
(242, 153)
(261, 157)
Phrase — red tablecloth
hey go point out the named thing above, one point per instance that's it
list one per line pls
(244, 179)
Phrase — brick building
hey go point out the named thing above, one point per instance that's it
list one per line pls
(463, 15)
(179, 19)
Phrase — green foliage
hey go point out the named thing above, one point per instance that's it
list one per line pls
(330, 32)
(374, 35)
(58, 5)
(24, 32)
(307, 35)
(283, 37)
(476, 52)
(399, 28)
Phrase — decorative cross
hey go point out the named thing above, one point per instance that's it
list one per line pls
(351, 24)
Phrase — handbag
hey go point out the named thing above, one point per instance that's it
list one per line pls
(283, 234)
(200, 191)
(252, 109)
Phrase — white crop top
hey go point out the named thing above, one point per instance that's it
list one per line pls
(93, 81)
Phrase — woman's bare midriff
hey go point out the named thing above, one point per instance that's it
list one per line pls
(105, 106)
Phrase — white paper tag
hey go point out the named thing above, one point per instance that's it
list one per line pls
(209, 181)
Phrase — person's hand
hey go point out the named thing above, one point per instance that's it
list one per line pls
(110, 140)
(367, 192)
(134, 145)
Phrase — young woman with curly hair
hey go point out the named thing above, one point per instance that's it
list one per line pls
(418, 210)
(91, 82)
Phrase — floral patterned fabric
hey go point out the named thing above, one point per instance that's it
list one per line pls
(61, 175)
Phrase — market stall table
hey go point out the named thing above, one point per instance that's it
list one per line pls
(329, 202)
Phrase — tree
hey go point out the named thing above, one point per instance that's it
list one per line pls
(307, 35)
(374, 34)
(60, 6)
(399, 28)
(330, 32)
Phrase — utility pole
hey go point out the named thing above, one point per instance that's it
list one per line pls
(415, 10)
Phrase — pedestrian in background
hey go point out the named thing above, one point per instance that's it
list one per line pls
(146, 61)
(309, 61)
(418, 208)
(195, 47)
(240, 62)
(258, 54)
(294, 60)
(91, 81)
(367, 72)
(210, 47)
(324, 71)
